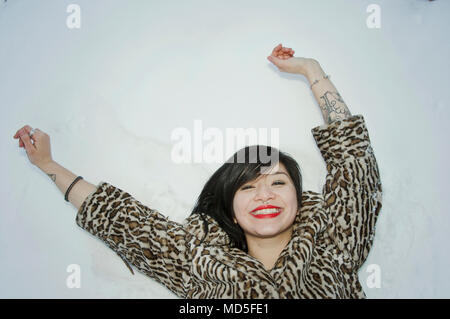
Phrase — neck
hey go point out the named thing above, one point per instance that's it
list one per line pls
(267, 250)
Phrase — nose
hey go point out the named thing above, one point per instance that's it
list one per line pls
(264, 193)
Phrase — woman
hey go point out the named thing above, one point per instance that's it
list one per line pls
(253, 233)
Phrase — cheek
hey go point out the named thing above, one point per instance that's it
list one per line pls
(239, 205)
(290, 196)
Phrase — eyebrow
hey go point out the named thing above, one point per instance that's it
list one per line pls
(276, 173)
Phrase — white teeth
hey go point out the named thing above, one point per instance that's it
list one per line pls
(266, 211)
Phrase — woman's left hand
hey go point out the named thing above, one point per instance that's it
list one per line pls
(283, 58)
(38, 153)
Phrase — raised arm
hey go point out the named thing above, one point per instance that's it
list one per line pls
(352, 192)
(330, 101)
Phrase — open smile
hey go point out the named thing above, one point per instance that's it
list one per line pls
(267, 212)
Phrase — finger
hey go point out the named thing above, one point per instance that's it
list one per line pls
(27, 141)
(19, 132)
(25, 129)
(279, 48)
(21, 143)
(285, 51)
(276, 49)
(28, 131)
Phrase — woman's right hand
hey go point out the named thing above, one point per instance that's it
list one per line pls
(283, 58)
(38, 153)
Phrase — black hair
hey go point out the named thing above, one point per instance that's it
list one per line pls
(216, 198)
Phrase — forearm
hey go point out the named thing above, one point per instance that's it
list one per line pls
(330, 101)
(63, 178)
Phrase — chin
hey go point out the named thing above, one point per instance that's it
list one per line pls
(267, 232)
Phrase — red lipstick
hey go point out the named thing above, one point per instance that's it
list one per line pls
(264, 207)
(275, 211)
(267, 215)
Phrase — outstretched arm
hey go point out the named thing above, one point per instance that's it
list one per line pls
(63, 178)
(141, 236)
(330, 101)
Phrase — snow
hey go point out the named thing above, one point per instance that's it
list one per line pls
(110, 94)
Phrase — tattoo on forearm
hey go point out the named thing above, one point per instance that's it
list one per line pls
(333, 107)
(52, 176)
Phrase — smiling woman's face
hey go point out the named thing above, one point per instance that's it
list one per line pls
(274, 188)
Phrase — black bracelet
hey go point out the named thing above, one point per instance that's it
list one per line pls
(66, 197)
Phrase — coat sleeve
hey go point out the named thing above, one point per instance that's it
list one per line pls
(352, 190)
(140, 235)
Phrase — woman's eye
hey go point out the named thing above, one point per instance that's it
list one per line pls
(274, 183)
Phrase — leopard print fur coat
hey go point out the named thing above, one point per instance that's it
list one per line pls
(332, 236)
